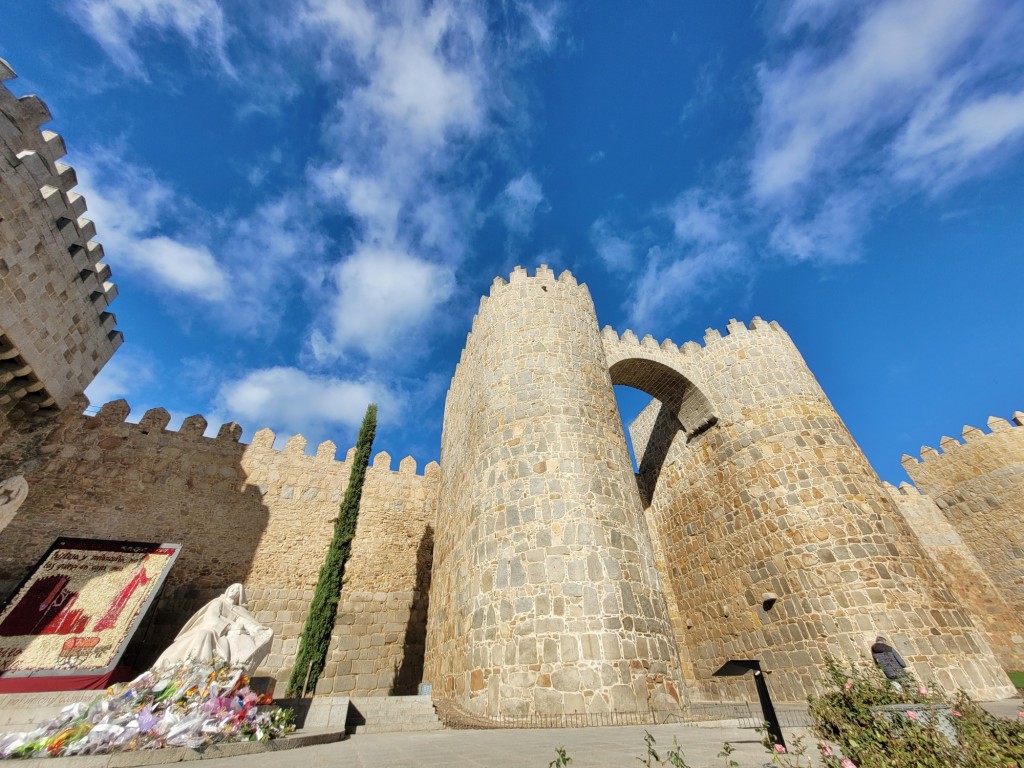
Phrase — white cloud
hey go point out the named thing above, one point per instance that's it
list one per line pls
(519, 201)
(115, 25)
(699, 219)
(669, 279)
(133, 210)
(821, 107)
(942, 143)
(896, 97)
(384, 298)
(427, 81)
(616, 251)
(122, 376)
(831, 235)
(290, 400)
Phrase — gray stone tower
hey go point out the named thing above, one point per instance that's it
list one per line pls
(544, 597)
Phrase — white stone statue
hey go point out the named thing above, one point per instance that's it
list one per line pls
(223, 629)
(13, 492)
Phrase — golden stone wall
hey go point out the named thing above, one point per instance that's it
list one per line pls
(1003, 626)
(759, 490)
(978, 485)
(55, 332)
(545, 596)
(245, 513)
(377, 647)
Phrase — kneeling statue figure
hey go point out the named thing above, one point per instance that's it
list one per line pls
(222, 629)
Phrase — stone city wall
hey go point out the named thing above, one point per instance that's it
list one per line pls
(781, 542)
(963, 574)
(545, 596)
(243, 513)
(377, 647)
(55, 332)
(979, 487)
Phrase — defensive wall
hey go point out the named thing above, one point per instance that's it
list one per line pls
(964, 575)
(561, 583)
(243, 513)
(55, 330)
(781, 541)
(977, 487)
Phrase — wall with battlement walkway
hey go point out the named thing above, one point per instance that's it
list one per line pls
(246, 513)
(978, 485)
(780, 540)
(55, 330)
(964, 575)
(545, 596)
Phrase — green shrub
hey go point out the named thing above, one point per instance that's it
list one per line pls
(323, 609)
(845, 716)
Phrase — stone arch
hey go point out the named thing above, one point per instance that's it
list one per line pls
(684, 408)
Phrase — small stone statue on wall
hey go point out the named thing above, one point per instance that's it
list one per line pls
(222, 629)
(13, 492)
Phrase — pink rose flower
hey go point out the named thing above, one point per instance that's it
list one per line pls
(956, 713)
(912, 715)
(826, 750)
(779, 748)
(923, 691)
(848, 686)
(848, 763)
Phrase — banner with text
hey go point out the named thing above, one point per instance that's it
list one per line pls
(75, 614)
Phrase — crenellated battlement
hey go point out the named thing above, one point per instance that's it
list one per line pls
(37, 198)
(543, 276)
(712, 336)
(193, 428)
(950, 446)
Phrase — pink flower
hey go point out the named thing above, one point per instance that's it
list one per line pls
(848, 686)
(912, 715)
(923, 691)
(779, 748)
(826, 750)
(848, 763)
(956, 713)
(1021, 714)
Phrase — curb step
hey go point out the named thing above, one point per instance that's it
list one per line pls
(391, 714)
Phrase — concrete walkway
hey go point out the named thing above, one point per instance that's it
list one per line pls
(588, 747)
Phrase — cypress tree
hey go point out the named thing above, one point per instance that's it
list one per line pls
(323, 609)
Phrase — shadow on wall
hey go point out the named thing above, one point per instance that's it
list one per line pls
(409, 674)
(103, 478)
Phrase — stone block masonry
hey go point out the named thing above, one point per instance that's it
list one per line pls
(531, 573)
(377, 647)
(978, 487)
(774, 497)
(963, 575)
(246, 513)
(55, 330)
(545, 596)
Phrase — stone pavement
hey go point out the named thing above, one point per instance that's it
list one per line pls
(588, 747)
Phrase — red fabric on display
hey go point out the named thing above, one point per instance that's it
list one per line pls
(45, 683)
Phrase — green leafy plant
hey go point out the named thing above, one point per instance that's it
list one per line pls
(673, 757)
(727, 750)
(852, 714)
(562, 760)
(323, 609)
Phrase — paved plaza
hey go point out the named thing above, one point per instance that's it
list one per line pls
(588, 748)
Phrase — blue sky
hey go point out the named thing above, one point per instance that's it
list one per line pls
(302, 201)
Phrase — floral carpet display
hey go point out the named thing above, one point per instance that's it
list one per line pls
(75, 613)
(190, 704)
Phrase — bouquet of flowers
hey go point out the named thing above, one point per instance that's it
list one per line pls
(190, 704)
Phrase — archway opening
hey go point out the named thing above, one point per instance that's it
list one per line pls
(658, 405)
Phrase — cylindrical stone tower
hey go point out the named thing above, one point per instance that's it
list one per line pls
(781, 542)
(544, 594)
